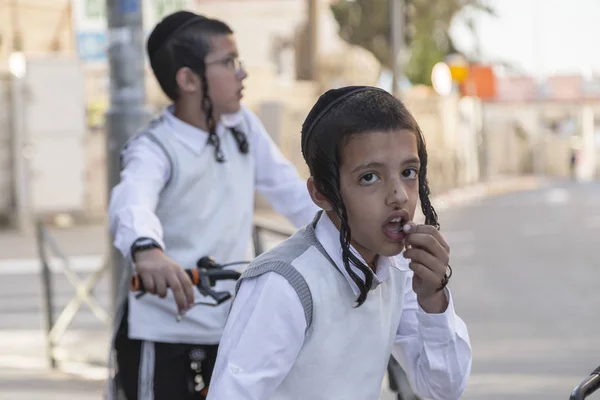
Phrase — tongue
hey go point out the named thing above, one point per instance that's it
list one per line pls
(393, 227)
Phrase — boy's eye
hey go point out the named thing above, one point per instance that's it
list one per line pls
(368, 179)
(410, 173)
(233, 63)
(230, 62)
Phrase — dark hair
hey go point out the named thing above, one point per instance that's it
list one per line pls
(335, 118)
(182, 40)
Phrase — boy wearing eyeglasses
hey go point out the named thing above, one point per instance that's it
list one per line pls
(187, 191)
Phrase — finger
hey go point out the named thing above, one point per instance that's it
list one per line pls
(161, 286)
(411, 228)
(149, 286)
(427, 276)
(187, 286)
(421, 256)
(177, 289)
(429, 243)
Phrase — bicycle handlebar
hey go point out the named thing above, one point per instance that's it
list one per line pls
(204, 276)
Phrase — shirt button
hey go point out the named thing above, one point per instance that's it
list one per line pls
(235, 369)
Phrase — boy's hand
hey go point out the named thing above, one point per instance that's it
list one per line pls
(159, 272)
(429, 256)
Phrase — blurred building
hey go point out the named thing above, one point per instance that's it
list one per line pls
(271, 37)
(527, 125)
(542, 118)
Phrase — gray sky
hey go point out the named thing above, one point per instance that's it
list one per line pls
(547, 36)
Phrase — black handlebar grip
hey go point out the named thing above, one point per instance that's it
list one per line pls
(221, 274)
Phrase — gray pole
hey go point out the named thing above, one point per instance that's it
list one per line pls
(312, 37)
(127, 112)
(396, 8)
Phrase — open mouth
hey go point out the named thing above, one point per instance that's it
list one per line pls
(397, 224)
(393, 228)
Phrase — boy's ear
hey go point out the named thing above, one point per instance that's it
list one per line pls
(316, 196)
(187, 80)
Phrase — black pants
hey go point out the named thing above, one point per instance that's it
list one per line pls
(162, 371)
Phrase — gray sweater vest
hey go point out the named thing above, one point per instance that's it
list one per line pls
(205, 209)
(346, 348)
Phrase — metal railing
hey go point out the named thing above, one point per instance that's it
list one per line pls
(50, 251)
(262, 225)
(55, 329)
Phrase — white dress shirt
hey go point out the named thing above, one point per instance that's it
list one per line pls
(266, 330)
(211, 216)
(146, 170)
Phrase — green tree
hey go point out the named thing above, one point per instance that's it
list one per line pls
(366, 23)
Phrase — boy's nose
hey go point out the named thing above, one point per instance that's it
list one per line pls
(397, 195)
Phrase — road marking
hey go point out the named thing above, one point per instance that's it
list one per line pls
(557, 196)
(24, 349)
(459, 236)
(80, 264)
(592, 222)
(487, 384)
(540, 229)
(83, 370)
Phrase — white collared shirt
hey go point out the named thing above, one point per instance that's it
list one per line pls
(146, 170)
(434, 349)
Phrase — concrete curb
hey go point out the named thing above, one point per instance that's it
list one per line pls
(460, 197)
(498, 186)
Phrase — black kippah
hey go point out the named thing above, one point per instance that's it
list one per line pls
(168, 27)
(325, 103)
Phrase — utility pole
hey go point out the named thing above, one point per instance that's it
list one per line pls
(17, 32)
(127, 111)
(397, 27)
(479, 113)
(312, 36)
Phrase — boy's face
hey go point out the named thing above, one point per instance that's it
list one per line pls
(224, 74)
(379, 184)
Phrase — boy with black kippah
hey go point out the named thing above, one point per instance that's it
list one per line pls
(318, 316)
(187, 191)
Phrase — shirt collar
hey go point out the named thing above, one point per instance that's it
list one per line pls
(328, 235)
(193, 138)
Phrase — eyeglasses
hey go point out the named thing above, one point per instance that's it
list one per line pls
(231, 62)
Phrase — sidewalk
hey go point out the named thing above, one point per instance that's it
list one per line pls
(22, 351)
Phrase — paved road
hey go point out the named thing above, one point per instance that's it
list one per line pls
(525, 280)
(527, 284)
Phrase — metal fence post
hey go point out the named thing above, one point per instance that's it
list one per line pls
(47, 304)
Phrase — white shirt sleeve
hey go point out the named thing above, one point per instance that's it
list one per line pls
(433, 349)
(277, 178)
(133, 201)
(261, 341)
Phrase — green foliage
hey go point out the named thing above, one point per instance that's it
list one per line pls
(366, 23)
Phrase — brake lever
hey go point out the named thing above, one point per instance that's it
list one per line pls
(207, 279)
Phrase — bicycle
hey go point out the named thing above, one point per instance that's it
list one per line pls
(587, 387)
(204, 277)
